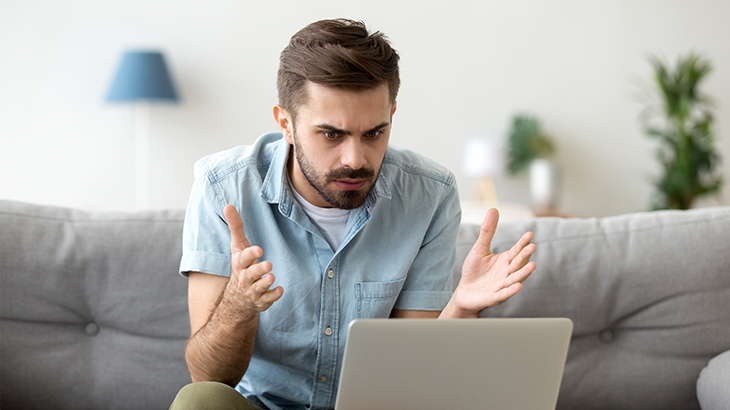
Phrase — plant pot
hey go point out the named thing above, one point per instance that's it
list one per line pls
(544, 184)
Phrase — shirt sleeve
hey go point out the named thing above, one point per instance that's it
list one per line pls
(206, 238)
(429, 282)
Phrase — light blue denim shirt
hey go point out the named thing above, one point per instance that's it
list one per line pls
(398, 252)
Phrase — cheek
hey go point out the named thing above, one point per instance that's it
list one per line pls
(314, 159)
(377, 152)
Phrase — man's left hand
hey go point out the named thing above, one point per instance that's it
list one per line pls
(489, 279)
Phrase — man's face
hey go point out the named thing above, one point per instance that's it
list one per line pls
(339, 141)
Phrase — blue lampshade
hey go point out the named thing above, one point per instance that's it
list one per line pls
(142, 75)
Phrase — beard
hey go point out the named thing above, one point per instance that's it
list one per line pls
(321, 183)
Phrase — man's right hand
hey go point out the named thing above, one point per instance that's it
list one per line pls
(224, 312)
(251, 281)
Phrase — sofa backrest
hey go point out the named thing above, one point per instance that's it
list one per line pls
(649, 295)
(93, 310)
(93, 314)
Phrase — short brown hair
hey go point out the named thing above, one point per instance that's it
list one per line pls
(338, 53)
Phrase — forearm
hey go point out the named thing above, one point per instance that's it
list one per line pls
(221, 350)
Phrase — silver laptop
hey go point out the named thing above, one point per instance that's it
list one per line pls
(422, 364)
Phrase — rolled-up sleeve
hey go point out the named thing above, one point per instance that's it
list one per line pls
(206, 238)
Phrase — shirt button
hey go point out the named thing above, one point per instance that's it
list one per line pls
(330, 274)
(328, 331)
(323, 379)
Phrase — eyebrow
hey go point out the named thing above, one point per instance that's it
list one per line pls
(345, 132)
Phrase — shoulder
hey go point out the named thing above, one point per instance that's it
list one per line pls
(407, 165)
(255, 157)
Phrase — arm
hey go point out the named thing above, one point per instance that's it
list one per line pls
(224, 312)
(488, 279)
(414, 314)
(219, 349)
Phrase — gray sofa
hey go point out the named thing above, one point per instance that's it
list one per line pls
(94, 313)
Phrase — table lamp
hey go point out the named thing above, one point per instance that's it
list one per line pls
(482, 160)
(142, 78)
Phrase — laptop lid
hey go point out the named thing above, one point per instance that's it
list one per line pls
(453, 364)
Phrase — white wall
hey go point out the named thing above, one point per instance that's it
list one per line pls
(467, 67)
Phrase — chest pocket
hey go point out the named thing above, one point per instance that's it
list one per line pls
(376, 299)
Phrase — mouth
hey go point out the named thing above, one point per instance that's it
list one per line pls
(350, 184)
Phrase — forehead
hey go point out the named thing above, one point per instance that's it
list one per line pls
(345, 108)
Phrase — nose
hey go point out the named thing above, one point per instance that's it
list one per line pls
(353, 153)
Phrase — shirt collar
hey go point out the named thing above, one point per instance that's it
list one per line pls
(275, 188)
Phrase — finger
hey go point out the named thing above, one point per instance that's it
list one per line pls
(523, 257)
(254, 273)
(235, 226)
(241, 260)
(524, 240)
(504, 294)
(520, 275)
(266, 296)
(263, 284)
(271, 296)
(486, 233)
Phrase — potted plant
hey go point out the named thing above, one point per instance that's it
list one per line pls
(526, 143)
(529, 148)
(683, 125)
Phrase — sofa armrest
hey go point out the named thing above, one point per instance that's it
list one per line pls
(712, 386)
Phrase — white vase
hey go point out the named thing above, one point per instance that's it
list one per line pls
(544, 184)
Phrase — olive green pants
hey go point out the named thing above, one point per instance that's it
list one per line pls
(210, 396)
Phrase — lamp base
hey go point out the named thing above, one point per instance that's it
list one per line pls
(485, 190)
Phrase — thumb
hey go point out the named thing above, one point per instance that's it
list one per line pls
(483, 243)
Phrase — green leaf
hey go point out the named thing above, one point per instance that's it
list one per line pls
(688, 159)
(526, 143)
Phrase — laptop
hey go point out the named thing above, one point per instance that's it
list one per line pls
(422, 364)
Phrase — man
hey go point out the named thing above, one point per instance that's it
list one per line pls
(349, 227)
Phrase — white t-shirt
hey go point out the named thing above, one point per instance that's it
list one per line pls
(331, 222)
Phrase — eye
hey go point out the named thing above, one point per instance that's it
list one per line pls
(374, 134)
(330, 135)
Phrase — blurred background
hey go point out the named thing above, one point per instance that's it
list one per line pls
(467, 68)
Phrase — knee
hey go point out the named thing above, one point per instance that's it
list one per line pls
(209, 396)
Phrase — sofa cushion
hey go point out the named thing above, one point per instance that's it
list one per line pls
(713, 386)
(94, 313)
(649, 295)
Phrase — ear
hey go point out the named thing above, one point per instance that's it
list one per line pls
(392, 110)
(283, 120)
